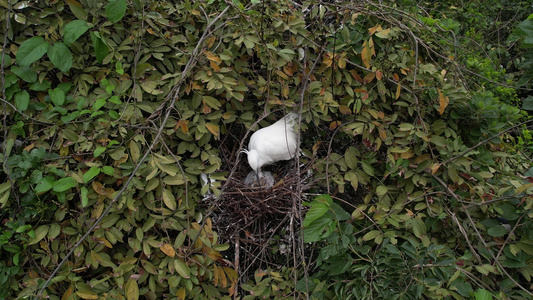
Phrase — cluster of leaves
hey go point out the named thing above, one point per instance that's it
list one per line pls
(128, 109)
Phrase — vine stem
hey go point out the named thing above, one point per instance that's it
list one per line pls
(174, 97)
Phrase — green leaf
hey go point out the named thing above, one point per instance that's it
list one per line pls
(31, 50)
(64, 184)
(84, 196)
(74, 30)
(40, 233)
(318, 229)
(100, 48)
(182, 268)
(108, 170)
(482, 294)
(98, 151)
(527, 103)
(525, 30)
(57, 96)
(22, 100)
(40, 86)
(25, 73)
(169, 199)
(371, 235)
(497, 231)
(115, 10)
(319, 206)
(44, 185)
(419, 227)
(381, 190)
(60, 56)
(93, 172)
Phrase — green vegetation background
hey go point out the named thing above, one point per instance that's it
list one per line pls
(415, 178)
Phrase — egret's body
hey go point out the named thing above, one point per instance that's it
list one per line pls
(273, 143)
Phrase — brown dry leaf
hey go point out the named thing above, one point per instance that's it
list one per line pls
(396, 77)
(379, 74)
(369, 77)
(443, 102)
(356, 76)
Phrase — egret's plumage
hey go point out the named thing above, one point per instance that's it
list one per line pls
(273, 143)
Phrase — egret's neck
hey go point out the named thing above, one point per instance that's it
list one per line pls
(253, 160)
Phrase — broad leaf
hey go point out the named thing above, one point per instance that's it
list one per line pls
(60, 56)
(22, 100)
(74, 30)
(31, 50)
(100, 48)
(115, 10)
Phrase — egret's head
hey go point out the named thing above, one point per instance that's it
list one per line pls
(253, 159)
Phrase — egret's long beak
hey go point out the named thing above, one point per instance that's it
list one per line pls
(258, 180)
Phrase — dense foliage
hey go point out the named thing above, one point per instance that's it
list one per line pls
(114, 110)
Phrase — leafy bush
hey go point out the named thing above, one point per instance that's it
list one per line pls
(108, 135)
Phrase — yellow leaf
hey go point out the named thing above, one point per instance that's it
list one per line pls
(328, 59)
(365, 55)
(434, 168)
(333, 125)
(98, 188)
(168, 250)
(181, 294)
(214, 129)
(375, 29)
(215, 66)
(210, 41)
(132, 290)
(398, 91)
(341, 62)
(67, 293)
(443, 102)
(212, 57)
(63, 151)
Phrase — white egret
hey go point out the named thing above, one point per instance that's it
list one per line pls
(273, 143)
